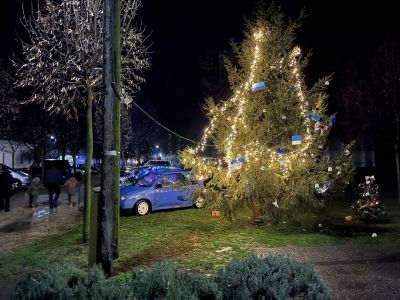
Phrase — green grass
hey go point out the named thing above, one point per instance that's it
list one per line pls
(195, 240)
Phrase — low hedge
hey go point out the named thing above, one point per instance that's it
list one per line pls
(273, 277)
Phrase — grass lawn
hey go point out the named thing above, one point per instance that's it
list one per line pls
(195, 240)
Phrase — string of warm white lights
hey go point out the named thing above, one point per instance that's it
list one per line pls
(254, 150)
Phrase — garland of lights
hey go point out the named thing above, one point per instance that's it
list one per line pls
(252, 150)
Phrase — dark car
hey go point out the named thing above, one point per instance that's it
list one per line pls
(63, 165)
(21, 179)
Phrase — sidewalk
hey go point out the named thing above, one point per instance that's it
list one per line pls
(23, 225)
(352, 271)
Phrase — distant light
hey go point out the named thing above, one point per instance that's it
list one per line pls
(52, 137)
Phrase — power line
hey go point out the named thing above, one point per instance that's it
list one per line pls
(158, 123)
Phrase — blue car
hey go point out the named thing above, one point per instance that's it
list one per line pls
(157, 191)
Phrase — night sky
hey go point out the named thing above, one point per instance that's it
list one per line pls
(182, 32)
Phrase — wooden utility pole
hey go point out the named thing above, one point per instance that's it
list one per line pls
(106, 241)
(117, 57)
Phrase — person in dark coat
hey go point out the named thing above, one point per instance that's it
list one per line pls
(6, 181)
(52, 180)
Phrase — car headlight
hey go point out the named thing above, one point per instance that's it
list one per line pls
(123, 198)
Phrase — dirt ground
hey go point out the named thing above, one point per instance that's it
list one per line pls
(352, 271)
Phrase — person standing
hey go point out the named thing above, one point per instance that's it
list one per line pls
(33, 192)
(6, 182)
(52, 180)
(71, 184)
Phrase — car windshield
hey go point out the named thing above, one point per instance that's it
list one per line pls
(147, 180)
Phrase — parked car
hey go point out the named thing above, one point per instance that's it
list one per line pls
(158, 162)
(133, 177)
(160, 190)
(21, 179)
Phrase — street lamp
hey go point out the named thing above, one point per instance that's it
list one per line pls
(157, 151)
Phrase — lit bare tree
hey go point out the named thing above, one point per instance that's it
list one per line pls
(10, 115)
(385, 81)
(62, 60)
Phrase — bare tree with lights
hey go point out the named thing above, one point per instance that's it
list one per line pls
(62, 61)
(10, 114)
(271, 133)
(385, 76)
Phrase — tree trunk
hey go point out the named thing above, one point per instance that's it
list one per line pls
(43, 157)
(13, 158)
(88, 163)
(396, 153)
(397, 159)
(64, 151)
(256, 214)
(106, 242)
(117, 129)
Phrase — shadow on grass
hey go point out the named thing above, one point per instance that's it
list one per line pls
(153, 255)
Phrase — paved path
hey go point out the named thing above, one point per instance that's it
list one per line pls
(352, 271)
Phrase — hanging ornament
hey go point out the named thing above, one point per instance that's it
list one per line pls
(322, 189)
(319, 127)
(283, 117)
(264, 110)
(262, 168)
(329, 169)
(275, 203)
(258, 86)
(332, 120)
(314, 116)
(327, 82)
(339, 170)
(236, 164)
(296, 139)
(280, 151)
(347, 152)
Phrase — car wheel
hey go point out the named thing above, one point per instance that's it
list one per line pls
(199, 202)
(142, 207)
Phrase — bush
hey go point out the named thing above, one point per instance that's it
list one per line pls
(66, 281)
(51, 282)
(167, 282)
(273, 277)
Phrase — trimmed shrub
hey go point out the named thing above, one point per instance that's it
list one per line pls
(273, 277)
(167, 282)
(66, 281)
(57, 281)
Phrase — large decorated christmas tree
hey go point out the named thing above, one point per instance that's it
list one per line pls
(270, 135)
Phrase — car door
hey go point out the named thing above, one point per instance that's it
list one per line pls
(165, 192)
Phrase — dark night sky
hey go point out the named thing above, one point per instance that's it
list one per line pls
(181, 31)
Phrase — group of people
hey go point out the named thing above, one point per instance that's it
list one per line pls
(53, 180)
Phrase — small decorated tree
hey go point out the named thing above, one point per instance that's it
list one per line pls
(271, 133)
